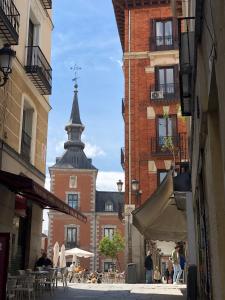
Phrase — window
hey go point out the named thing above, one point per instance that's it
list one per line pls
(164, 33)
(109, 232)
(108, 206)
(165, 80)
(108, 265)
(73, 182)
(72, 200)
(161, 174)
(71, 237)
(166, 127)
(27, 130)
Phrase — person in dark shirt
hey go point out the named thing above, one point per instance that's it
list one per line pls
(43, 261)
(148, 267)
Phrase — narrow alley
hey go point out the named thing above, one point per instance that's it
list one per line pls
(119, 292)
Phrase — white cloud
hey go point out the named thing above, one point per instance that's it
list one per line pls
(93, 150)
(106, 181)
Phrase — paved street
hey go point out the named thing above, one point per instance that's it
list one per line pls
(118, 291)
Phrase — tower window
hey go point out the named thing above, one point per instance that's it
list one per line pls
(73, 200)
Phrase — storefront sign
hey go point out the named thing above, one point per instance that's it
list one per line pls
(4, 260)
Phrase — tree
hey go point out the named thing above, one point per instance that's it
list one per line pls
(111, 247)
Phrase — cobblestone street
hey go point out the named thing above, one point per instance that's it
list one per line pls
(118, 291)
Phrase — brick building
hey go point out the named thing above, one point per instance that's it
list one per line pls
(155, 131)
(73, 179)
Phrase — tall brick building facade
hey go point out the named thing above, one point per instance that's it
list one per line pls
(155, 132)
(73, 179)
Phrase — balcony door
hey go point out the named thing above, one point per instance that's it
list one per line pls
(164, 33)
(166, 129)
(71, 237)
(165, 81)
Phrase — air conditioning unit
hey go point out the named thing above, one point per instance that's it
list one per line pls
(157, 95)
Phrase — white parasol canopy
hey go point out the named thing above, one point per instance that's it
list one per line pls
(55, 254)
(79, 253)
(62, 260)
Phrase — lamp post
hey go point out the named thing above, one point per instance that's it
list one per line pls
(119, 185)
(6, 56)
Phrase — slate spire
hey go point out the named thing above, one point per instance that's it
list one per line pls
(75, 127)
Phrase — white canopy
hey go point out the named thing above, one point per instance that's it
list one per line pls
(79, 253)
(158, 218)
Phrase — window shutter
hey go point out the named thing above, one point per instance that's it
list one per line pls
(153, 36)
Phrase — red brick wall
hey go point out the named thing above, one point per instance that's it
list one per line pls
(143, 129)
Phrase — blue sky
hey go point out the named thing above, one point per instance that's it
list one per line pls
(85, 34)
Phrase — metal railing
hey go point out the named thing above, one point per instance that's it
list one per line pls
(26, 145)
(122, 157)
(176, 146)
(38, 66)
(9, 21)
(47, 4)
(164, 42)
(165, 92)
(70, 245)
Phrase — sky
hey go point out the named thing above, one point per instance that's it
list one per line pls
(85, 34)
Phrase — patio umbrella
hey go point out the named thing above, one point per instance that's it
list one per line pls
(62, 260)
(55, 254)
(79, 253)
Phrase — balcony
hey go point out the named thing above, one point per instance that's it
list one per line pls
(25, 146)
(123, 107)
(164, 42)
(165, 93)
(47, 4)
(167, 146)
(122, 157)
(39, 70)
(9, 22)
(70, 245)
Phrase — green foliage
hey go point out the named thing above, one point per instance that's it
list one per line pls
(111, 247)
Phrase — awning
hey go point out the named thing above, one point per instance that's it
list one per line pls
(28, 188)
(158, 218)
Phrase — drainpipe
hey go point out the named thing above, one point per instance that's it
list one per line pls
(129, 108)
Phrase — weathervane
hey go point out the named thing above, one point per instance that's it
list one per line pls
(75, 69)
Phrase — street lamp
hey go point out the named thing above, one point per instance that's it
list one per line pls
(135, 189)
(120, 185)
(6, 55)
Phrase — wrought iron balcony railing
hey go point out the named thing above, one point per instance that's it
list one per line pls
(165, 93)
(70, 245)
(47, 4)
(39, 70)
(164, 42)
(123, 107)
(176, 146)
(122, 157)
(9, 22)
(26, 146)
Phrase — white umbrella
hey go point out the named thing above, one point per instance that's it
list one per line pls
(62, 260)
(55, 254)
(79, 252)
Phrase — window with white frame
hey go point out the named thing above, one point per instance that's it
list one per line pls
(107, 266)
(73, 200)
(109, 232)
(108, 206)
(73, 182)
(71, 237)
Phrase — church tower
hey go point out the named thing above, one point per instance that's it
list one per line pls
(73, 179)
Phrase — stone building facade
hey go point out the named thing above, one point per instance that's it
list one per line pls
(24, 106)
(203, 101)
(155, 131)
(73, 179)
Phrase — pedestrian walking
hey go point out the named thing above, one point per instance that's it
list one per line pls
(148, 267)
(176, 265)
